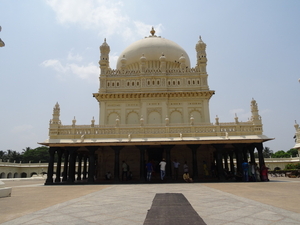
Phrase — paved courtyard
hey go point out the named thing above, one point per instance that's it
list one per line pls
(274, 202)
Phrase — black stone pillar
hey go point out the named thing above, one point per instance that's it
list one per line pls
(84, 167)
(79, 166)
(91, 169)
(117, 150)
(251, 152)
(219, 150)
(239, 159)
(168, 148)
(72, 164)
(259, 148)
(226, 161)
(142, 149)
(58, 167)
(194, 158)
(231, 162)
(245, 156)
(49, 179)
(66, 163)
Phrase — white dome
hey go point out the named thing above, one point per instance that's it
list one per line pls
(152, 48)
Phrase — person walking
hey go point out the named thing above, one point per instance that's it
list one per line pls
(162, 165)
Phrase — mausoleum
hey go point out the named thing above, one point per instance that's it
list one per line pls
(153, 105)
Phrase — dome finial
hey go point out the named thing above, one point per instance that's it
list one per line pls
(152, 31)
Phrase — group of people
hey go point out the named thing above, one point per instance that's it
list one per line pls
(251, 172)
(162, 166)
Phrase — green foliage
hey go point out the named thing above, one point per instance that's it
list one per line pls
(36, 155)
(28, 154)
(292, 166)
(280, 154)
(293, 152)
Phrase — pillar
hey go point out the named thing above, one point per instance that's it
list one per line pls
(84, 167)
(194, 158)
(231, 162)
(238, 154)
(226, 161)
(117, 150)
(66, 163)
(50, 165)
(79, 166)
(58, 167)
(72, 164)
(143, 173)
(91, 169)
(219, 149)
(259, 148)
(251, 152)
(168, 148)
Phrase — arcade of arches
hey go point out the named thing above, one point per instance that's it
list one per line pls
(94, 162)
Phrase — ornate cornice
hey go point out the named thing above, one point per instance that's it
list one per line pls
(201, 94)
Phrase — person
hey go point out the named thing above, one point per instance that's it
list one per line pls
(245, 168)
(186, 178)
(162, 165)
(176, 166)
(149, 169)
(264, 173)
(185, 167)
(124, 170)
(108, 175)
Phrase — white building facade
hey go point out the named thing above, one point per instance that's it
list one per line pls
(154, 105)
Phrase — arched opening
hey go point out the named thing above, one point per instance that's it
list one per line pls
(33, 173)
(23, 175)
(9, 175)
(16, 175)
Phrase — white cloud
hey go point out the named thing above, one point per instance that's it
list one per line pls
(22, 128)
(72, 57)
(106, 16)
(88, 72)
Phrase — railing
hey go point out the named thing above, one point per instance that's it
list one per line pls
(154, 130)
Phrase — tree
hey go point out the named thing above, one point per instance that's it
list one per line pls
(36, 155)
(267, 152)
(293, 152)
(280, 154)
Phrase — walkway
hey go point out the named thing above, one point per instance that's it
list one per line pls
(215, 203)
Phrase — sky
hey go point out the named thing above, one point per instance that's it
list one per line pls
(51, 55)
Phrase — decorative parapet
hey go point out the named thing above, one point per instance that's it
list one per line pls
(122, 131)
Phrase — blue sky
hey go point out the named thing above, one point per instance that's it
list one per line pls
(52, 53)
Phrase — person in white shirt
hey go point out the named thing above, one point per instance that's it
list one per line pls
(162, 169)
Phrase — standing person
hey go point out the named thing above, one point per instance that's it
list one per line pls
(149, 169)
(124, 170)
(264, 173)
(162, 165)
(245, 168)
(176, 166)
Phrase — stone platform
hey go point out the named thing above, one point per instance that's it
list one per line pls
(275, 202)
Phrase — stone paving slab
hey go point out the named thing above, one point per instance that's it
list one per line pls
(129, 204)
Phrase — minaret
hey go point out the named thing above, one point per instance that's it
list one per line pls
(201, 55)
(255, 118)
(55, 122)
(104, 57)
